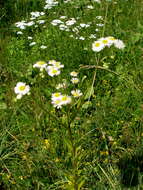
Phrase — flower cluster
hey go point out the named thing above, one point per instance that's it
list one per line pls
(50, 4)
(21, 89)
(107, 42)
(58, 100)
(53, 68)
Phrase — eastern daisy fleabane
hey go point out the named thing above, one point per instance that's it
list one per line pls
(97, 46)
(106, 41)
(21, 89)
(52, 71)
(56, 64)
(119, 44)
(40, 64)
(74, 74)
(58, 100)
(76, 93)
(75, 80)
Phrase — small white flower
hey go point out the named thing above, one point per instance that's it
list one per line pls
(32, 44)
(81, 38)
(90, 7)
(21, 89)
(56, 64)
(40, 64)
(76, 93)
(92, 36)
(19, 32)
(43, 47)
(56, 22)
(30, 38)
(63, 17)
(61, 85)
(52, 71)
(100, 25)
(82, 25)
(73, 74)
(70, 22)
(56, 96)
(74, 80)
(97, 46)
(119, 44)
(41, 21)
(106, 41)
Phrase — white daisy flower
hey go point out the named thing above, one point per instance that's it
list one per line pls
(76, 93)
(57, 103)
(40, 64)
(82, 25)
(74, 80)
(43, 47)
(97, 46)
(73, 74)
(119, 44)
(32, 44)
(56, 22)
(56, 64)
(21, 89)
(90, 7)
(106, 41)
(41, 21)
(70, 22)
(53, 71)
(19, 32)
(30, 38)
(56, 96)
(65, 99)
(30, 23)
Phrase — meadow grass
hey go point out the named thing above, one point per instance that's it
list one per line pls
(94, 142)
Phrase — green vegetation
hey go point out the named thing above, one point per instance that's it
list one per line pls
(95, 141)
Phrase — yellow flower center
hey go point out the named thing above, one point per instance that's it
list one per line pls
(64, 98)
(57, 94)
(105, 41)
(41, 63)
(22, 88)
(111, 38)
(54, 71)
(97, 44)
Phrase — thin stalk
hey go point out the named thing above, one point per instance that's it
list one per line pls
(74, 163)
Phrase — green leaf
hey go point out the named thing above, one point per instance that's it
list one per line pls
(89, 93)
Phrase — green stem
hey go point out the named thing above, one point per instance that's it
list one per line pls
(74, 163)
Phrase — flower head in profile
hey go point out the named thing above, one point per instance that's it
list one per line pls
(73, 74)
(21, 89)
(40, 64)
(76, 93)
(119, 44)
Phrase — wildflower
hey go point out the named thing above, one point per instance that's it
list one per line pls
(56, 96)
(21, 24)
(100, 25)
(76, 93)
(21, 89)
(61, 85)
(70, 22)
(90, 7)
(52, 71)
(58, 100)
(63, 27)
(97, 46)
(74, 80)
(63, 17)
(82, 25)
(56, 64)
(32, 44)
(92, 36)
(81, 38)
(56, 22)
(30, 38)
(73, 74)
(41, 21)
(43, 47)
(119, 44)
(30, 23)
(40, 64)
(106, 41)
(19, 32)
